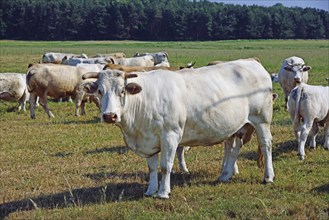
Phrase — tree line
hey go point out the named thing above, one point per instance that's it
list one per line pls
(169, 20)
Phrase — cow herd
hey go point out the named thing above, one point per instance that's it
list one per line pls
(160, 108)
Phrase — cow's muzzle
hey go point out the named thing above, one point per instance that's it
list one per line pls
(110, 117)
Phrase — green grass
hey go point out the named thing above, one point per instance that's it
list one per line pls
(79, 168)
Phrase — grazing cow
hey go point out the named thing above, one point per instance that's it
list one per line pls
(134, 61)
(160, 58)
(309, 105)
(115, 55)
(161, 110)
(292, 71)
(51, 57)
(13, 88)
(52, 80)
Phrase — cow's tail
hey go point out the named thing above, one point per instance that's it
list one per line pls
(29, 85)
(260, 158)
(298, 97)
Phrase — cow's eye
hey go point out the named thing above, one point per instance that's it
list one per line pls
(288, 68)
(100, 92)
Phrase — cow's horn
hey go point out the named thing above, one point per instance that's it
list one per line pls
(90, 75)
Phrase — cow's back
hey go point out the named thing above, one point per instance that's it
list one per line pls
(207, 104)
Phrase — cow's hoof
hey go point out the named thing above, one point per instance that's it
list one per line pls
(163, 196)
(301, 157)
(267, 181)
(150, 193)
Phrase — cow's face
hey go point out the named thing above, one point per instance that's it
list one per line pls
(112, 88)
(298, 72)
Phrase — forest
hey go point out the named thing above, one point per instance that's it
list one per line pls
(157, 20)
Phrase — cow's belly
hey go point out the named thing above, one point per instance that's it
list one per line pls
(143, 143)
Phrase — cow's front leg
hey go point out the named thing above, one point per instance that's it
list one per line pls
(168, 151)
(152, 163)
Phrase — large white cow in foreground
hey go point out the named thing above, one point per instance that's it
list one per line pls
(292, 72)
(13, 88)
(56, 81)
(309, 105)
(160, 110)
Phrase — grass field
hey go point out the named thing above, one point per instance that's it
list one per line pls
(78, 168)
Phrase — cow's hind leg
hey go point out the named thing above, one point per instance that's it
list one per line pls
(33, 101)
(306, 127)
(314, 133)
(231, 152)
(264, 138)
(181, 158)
(44, 104)
(326, 136)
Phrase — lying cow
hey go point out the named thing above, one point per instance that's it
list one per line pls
(134, 61)
(51, 57)
(115, 55)
(160, 58)
(160, 110)
(130, 69)
(292, 72)
(53, 80)
(13, 88)
(74, 61)
(309, 105)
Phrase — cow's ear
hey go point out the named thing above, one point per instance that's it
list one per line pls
(90, 87)
(133, 88)
(307, 68)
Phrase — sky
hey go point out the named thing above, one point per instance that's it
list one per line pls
(319, 4)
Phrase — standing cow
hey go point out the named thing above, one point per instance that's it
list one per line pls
(160, 110)
(292, 71)
(13, 88)
(309, 105)
(53, 80)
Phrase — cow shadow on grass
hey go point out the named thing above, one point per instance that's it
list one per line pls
(131, 190)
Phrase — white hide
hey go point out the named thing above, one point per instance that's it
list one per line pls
(51, 57)
(13, 88)
(203, 106)
(293, 69)
(308, 106)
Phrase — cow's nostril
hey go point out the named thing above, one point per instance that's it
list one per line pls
(110, 117)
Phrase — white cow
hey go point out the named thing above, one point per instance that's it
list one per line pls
(292, 71)
(53, 80)
(74, 61)
(160, 58)
(160, 110)
(115, 55)
(51, 57)
(13, 88)
(310, 105)
(134, 61)
(91, 67)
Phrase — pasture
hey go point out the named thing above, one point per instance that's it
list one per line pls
(78, 168)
